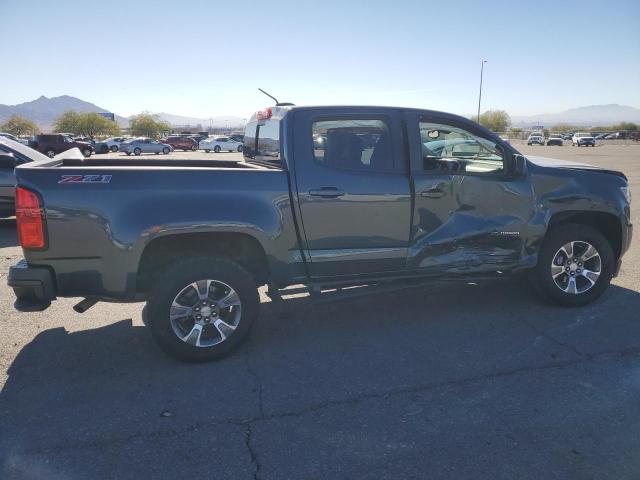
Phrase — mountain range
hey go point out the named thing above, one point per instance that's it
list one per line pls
(44, 111)
(593, 115)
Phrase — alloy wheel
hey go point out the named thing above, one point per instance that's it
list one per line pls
(205, 313)
(576, 267)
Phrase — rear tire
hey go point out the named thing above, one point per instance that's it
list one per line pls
(542, 276)
(239, 148)
(177, 278)
(194, 148)
(86, 152)
(166, 150)
(217, 149)
(137, 151)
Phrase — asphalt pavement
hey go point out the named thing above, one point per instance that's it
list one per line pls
(469, 381)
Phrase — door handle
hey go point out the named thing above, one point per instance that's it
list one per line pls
(434, 192)
(326, 192)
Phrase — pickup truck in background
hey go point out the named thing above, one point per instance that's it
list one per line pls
(326, 197)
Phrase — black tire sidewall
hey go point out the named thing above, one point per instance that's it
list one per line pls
(555, 239)
(180, 274)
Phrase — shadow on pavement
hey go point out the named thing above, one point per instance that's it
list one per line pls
(67, 390)
(8, 233)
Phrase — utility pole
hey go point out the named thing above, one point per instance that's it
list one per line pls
(480, 94)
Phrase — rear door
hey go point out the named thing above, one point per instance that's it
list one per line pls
(353, 190)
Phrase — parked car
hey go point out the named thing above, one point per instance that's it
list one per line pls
(217, 144)
(14, 138)
(555, 139)
(12, 154)
(182, 142)
(616, 136)
(114, 143)
(100, 147)
(145, 145)
(535, 138)
(567, 136)
(53, 144)
(583, 140)
(195, 242)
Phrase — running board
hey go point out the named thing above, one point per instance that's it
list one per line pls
(339, 291)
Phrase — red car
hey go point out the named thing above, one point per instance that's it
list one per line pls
(182, 143)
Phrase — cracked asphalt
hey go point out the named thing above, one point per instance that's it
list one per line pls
(467, 381)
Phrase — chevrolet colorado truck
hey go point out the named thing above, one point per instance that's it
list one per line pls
(326, 199)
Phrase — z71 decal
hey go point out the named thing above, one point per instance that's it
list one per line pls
(84, 179)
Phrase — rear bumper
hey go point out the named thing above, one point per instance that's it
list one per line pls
(33, 286)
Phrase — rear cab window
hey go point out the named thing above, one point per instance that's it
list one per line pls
(262, 137)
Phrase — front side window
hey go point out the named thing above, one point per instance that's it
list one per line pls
(352, 144)
(455, 150)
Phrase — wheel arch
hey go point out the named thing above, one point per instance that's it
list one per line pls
(239, 247)
(605, 223)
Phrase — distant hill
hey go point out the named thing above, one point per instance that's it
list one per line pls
(593, 115)
(44, 110)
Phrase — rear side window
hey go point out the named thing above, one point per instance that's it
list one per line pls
(353, 144)
(262, 141)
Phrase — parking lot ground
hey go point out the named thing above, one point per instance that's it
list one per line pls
(468, 381)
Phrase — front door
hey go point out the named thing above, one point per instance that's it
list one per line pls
(353, 192)
(470, 216)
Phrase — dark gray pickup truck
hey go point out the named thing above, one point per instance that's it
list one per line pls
(329, 198)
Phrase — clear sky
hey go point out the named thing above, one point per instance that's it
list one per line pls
(206, 58)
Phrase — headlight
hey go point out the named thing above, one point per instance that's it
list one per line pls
(626, 191)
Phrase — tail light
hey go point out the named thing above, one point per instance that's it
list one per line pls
(29, 217)
(264, 114)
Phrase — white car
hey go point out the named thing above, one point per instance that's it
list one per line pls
(114, 143)
(218, 144)
(583, 139)
(536, 137)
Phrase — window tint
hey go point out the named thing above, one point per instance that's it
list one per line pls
(352, 144)
(455, 150)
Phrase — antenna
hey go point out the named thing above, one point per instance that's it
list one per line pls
(278, 104)
(270, 96)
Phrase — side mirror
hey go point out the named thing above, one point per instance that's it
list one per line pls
(519, 165)
(7, 160)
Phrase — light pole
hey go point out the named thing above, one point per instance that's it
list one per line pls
(480, 94)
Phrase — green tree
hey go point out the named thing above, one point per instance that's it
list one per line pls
(495, 120)
(629, 126)
(147, 125)
(68, 122)
(17, 125)
(87, 124)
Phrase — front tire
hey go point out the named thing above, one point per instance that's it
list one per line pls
(86, 152)
(575, 265)
(114, 148)
(166, 150)
(202, 308)
(239, 148)
(217, 149)
(137, 151)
